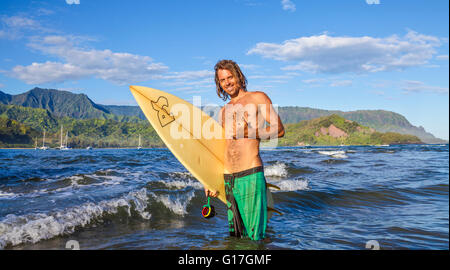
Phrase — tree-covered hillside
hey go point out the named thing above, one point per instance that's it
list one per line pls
(336, 130)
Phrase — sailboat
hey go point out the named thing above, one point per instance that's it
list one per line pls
(139, 146)
(63, 146)
(43, 147)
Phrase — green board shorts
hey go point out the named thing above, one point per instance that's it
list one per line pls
(247, 203)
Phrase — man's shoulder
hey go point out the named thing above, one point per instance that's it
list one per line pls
(256, 92)
(259, 95)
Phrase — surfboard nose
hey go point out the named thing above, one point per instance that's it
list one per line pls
(133, 87)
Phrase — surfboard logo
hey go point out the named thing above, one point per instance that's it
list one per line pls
(160, 106)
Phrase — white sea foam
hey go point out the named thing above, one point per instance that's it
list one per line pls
(335, 154)
(176, 203)
(74, 180)
(33, 193)
(276, 170)
(187, 180)
(32, 228)
(179, 184)
(339, 156)
(290, 185)
(182, 175)
(74, 184)
(7, 195)
(330, 153)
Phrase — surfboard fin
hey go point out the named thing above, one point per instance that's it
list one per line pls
(274, 210)
(273, 186)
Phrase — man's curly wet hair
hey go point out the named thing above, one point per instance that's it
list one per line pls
(237, 73)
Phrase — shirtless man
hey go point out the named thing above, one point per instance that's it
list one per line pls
(244, 119)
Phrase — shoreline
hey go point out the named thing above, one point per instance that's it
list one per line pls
(262, 148)
(18, 148)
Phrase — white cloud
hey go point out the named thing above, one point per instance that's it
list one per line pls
(332, 82)
(70, 2)
(77, 63)
(189, 81)
(269, 77)
(288, 5)
(44, 12)
(341, 83)
(20, 22)
(38, 73)
(252, 3)
(248, 66)
(418, 86)
(327, 54)
(378, 93)
(408, 87)
(442, 57)
(14, 27)
(189, 75)
(373, 2)
(72, 59)
(313, 81)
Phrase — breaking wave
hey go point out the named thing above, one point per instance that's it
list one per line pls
(32, 228)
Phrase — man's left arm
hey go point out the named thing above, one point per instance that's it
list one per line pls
(267, 113)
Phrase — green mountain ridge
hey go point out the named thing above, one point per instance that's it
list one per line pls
(59, 103)
(28, 124)
(81, 132)
(380, 120)
(79, 106)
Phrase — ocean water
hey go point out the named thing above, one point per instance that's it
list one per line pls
(331, 198)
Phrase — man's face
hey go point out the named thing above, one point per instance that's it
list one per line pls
(228, 82)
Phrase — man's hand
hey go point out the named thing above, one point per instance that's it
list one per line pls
(243, 127)
(211, 193)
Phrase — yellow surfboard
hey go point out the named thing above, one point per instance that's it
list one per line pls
(194, 138)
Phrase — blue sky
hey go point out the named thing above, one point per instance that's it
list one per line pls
(342, 55)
